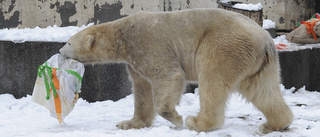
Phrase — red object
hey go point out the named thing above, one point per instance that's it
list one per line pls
(281, 46)
(310, 26)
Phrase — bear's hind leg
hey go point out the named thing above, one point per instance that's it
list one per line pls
(144, 113)
(218, 76)
(213, 98)
(264, 92)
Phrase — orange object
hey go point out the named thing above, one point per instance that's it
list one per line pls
(310, 26)
(57, 102)
(281, 46)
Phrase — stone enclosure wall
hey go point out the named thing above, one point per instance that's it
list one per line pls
(19, 63)
(18, 72)
(42, 13)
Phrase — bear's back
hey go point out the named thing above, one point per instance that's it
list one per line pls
(190, 23)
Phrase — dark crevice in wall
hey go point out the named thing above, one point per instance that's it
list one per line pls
(67, 10)
(107, 12)
(12, 22)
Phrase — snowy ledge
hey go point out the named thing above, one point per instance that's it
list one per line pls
(49, 34)
(293, 46)
(62, 34)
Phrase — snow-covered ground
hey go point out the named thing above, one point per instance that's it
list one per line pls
(23, 118)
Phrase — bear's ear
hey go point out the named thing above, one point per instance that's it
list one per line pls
(89, 40)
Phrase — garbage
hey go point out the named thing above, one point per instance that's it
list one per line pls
(58, 84)
(306, 32)
(281, 46)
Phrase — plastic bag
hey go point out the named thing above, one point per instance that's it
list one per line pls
(58, 85)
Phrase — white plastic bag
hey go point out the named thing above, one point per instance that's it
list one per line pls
(59, 94)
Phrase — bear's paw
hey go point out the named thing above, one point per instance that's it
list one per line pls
(265, 128)
(132, 124)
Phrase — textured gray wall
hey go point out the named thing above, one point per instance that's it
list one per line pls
(19, 63)
(301, 68)
(32, 13)
(18, 72)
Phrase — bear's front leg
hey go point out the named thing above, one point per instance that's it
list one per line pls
(167, 93)
(143, 103)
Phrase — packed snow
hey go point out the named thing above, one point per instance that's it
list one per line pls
(248, 6)
(268, 24)
(23, 118)
(51, 33)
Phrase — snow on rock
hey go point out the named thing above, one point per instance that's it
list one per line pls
(268, 24)
(248, 6)
(294, 46)
(52, 34)
(23, 118)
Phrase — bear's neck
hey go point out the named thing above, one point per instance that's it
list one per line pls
(116, 51)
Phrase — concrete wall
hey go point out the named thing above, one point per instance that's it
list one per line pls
(301, 68)
(19, 63)
(31, 13)
(18, 72)
(286, 13)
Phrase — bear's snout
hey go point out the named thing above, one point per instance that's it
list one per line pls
(61, 51)
(66, 51)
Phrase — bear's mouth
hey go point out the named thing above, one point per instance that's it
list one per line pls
(91, 62)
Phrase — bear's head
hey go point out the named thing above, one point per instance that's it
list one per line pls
(91, 45)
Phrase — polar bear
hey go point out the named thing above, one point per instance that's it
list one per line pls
(222, 51)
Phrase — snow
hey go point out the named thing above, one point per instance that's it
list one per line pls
(268, 24)
(62, 34)
(23, 118)
(53, 34)
(249, 6)
(244, 6)
(294, 46)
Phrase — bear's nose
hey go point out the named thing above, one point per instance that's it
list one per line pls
(60, 51)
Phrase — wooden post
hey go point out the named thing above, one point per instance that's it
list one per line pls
(254, 15)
